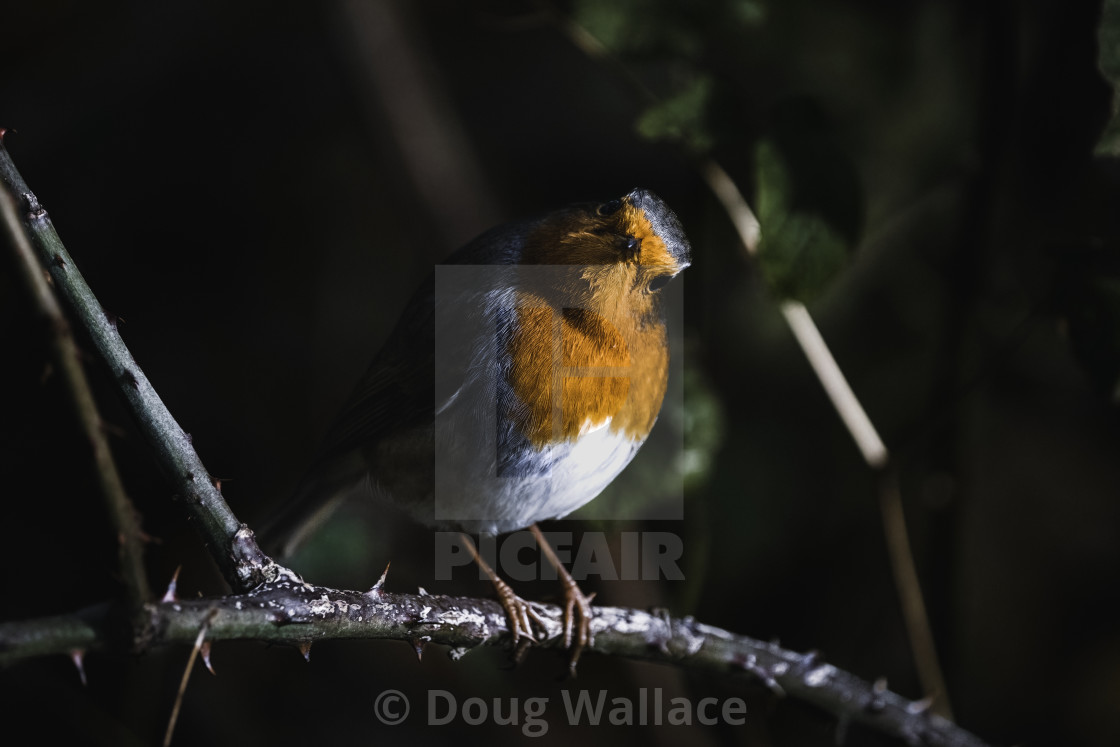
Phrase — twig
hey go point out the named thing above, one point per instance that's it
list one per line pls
(230, 542)
(85, 630)
(867, 439)
(835, 384)
(295, 613)
(910, 591)
(734, 204)
(122, 513)
(801, 323)
(171, 721)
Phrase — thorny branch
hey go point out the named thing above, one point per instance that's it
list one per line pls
(277, 606)
(290, 611)
(232, 546)
(67, 361)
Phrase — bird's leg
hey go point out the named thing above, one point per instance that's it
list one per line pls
(577, 607)
(521, 614)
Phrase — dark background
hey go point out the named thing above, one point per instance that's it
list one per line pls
(257, 187)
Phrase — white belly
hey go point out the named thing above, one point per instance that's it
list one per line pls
(566, 476)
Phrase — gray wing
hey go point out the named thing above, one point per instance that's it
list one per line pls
(398, 392)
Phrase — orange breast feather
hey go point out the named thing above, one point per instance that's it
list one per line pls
(576, 370)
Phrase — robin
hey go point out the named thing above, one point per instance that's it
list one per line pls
(522, 377)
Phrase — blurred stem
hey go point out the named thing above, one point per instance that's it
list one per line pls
(66, 358)
(231, 544)
(910, 594)
(835, 384)
(734, 204)
(203, 629)
(398, 85)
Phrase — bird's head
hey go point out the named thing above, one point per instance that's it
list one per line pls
(627, 248)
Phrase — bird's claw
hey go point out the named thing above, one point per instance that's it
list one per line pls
(522, 618)
(577, 623)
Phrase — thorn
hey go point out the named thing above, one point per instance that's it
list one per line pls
(113, 319)
(4, 131)
(920, 706)
(78, 657)
(204, 650)
(880, 686)
(375, 590)
(422, 591)
(59, 261)
(169, 595)
(418, 646)
(305, 649)
(217, 483)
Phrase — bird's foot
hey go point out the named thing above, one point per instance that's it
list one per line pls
(522, 617)
(577, 606)
(521, 614)
(577, 621)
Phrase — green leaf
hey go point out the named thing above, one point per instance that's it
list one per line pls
(680, 118)
(800, 252)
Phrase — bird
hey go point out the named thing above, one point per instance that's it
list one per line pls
(522, 377)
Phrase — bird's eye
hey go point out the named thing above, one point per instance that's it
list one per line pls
(659, 282)
(610, 208)
(630, 248)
